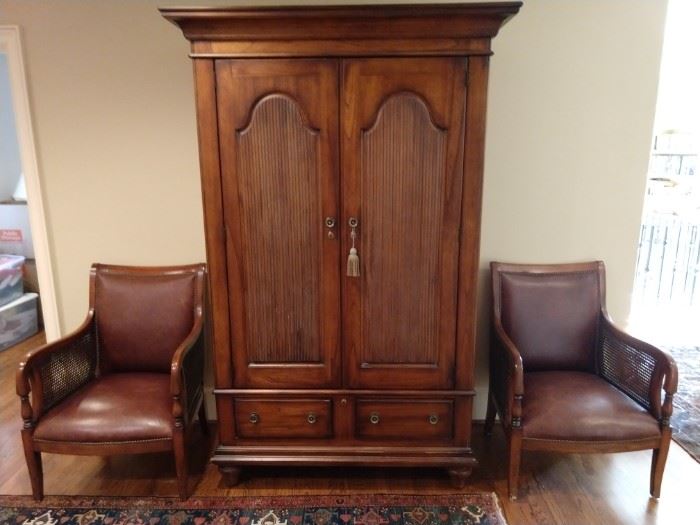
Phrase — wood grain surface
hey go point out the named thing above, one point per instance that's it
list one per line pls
(402, 150)
(278, 147)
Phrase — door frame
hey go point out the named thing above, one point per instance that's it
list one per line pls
(10, 44)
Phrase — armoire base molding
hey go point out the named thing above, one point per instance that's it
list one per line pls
(458, 461)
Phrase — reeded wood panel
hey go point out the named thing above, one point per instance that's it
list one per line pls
(402, 181)
(279, 203)
(402, 151)
(278, 134)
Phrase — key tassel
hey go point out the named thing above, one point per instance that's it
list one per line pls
(353, 263)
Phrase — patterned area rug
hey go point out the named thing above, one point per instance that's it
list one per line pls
(686, 402)
(371, 509)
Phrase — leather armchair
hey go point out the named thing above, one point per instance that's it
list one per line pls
(564, 378)
(128, 380)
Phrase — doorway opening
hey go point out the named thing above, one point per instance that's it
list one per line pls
(23, 231)
(666, 296)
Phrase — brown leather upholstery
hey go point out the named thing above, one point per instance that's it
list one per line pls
(129, 379)
(580, 406)
(563, 377)
(142, 319)
(552, 318)
(117, 407)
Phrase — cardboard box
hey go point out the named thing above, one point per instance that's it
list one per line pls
(18, 320)
(15, 234)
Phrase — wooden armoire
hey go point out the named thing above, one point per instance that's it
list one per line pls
(341, 152)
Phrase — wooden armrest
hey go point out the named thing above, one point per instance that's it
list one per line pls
(506, 374)
(54, 371)
(638, 368)
(187, 362)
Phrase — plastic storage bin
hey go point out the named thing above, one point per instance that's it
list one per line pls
(18, 320)
(10, 278)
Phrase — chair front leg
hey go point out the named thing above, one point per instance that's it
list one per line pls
(515, 445)
(658, 462)
(180, 452)
(33, 458)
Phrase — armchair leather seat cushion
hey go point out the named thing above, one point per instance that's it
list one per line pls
(114, 408)
(580, 406)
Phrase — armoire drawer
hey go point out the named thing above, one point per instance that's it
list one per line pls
(404, 419)
(283, 418)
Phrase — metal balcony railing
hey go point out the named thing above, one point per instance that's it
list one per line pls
(668, 261)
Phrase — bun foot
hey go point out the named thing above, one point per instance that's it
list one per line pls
(230, 475)
(458, 477)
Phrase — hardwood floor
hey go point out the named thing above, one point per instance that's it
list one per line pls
(555, 489)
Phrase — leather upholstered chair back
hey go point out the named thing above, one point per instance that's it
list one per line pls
(141, 316)
(550, 314)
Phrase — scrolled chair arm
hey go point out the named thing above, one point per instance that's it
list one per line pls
(506, 369)
(639, 369)
(56, 370)
(186, 372)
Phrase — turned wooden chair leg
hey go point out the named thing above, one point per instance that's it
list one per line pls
(203, 418)
(490, 415)
(180, 461)
(515, 441)
(36, 471)
(658, 463)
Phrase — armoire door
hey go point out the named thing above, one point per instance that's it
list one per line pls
(278, 139)
(402, 154)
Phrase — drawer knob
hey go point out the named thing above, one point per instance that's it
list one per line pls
(254, 418)
(433, 419)
(374, 418)
(311, 418)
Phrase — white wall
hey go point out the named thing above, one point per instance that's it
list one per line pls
(10, 164)
(571, 106)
